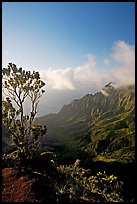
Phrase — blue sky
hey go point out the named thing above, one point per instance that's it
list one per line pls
(65, 40)
(40, 35)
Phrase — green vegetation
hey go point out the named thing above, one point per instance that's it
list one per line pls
(103, 187)
(63, 183)
(103, 127)
(98, 130)
(19, 85)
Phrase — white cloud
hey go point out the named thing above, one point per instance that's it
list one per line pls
(63, 85)
(124, 55)
(66, 84)
(72, 78)
(104, 92)
(59, 79)
(106, 61)
(88, 74)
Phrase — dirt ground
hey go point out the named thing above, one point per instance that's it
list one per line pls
(16, 188)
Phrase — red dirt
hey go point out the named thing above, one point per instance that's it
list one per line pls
(15, 188)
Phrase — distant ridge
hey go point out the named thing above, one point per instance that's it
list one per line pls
(101, 124)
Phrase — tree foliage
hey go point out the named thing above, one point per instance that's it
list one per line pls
(18, 86)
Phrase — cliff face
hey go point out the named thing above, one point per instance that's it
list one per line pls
(102, 124)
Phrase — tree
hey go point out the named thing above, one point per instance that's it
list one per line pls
(19, 85)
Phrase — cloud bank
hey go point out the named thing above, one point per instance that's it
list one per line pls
(63, 85)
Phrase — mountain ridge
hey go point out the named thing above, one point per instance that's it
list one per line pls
(77, 124)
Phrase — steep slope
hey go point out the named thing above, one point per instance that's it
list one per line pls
(101, 124)
(113, 132)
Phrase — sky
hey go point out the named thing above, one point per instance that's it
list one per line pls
(77, 47)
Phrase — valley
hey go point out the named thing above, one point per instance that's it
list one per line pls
(100, 126)
(98, 129)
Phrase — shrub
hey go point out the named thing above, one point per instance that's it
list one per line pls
(107, 187)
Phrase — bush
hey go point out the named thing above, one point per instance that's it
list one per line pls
(103, 187)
